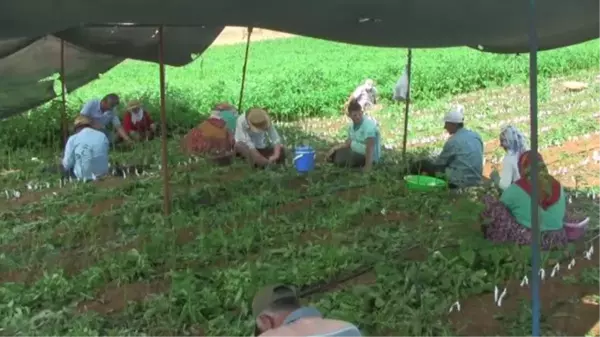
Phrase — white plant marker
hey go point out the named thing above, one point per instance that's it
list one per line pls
(571, 264)
(60, 183)
(70, 179)
(29, 187)
(47, 185)
(525, 281)
(159, 167)
(495, 294)
(591, 250)
(124, 175)
(17, 194)
(542, 273)
(555, 270)
(570, 200)
(454, 305)
(501, 297)
(137, 173)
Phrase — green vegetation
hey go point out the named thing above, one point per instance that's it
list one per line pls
(72, 258)
(299, 77)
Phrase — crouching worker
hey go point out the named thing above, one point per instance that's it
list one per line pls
(363, 146)
(461, 159)
(214, 136)
(137, 122)
(252, 129)
(278, 312)
(86, 152)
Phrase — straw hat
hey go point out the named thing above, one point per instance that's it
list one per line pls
(81, 121)
(133, 104)
(258, 120)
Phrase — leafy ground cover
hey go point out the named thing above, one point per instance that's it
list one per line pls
(100, 259)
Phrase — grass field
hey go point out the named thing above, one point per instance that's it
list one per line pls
(100, 259)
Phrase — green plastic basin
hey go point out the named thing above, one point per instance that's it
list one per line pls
(424, 183)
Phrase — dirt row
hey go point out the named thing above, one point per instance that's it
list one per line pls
(565, 306)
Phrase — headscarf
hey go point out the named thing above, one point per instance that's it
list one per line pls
(549, 187)
(513, 140)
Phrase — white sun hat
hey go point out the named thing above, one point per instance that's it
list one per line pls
(455, 115)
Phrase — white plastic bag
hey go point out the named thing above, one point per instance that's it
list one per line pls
(401, 88)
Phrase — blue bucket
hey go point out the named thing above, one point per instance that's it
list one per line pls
(304, 160)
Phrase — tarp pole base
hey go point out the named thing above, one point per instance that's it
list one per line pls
(407, 103)
(163, 126)
(248, 36)
(63, 111)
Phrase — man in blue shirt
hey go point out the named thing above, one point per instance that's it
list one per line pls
(461, 160)
(102, 113)
(278, 312)
(86, 152)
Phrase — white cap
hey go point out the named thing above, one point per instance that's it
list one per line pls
(369, 83)
(455, 115)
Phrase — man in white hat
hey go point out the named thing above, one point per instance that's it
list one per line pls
(251, 133)
(365, 94)
(461, 160)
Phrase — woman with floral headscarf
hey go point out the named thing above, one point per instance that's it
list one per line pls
(514, 143)
(214, 136)
(510, 217)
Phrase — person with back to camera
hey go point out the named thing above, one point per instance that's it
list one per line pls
(461, 159)
(278, 312)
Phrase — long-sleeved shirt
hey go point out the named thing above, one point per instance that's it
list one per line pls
(308, 321)
(140, 126)
(254, 140)
(92, 109)
(86, 153)
(462, 158)
(509, 172)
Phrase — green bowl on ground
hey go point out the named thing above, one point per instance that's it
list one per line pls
(424, 183)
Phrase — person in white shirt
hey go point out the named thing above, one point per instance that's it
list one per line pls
(514, 143)
(251, 132)
(365, 94)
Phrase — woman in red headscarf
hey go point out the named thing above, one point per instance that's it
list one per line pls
(510, 217)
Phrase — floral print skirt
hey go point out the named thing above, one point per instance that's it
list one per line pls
(502, 227)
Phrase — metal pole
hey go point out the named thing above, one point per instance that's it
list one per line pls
(535, 195)
(244, 69)
(163, 125)
(63, 110)
(407, 103)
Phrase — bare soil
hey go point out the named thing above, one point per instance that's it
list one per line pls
(234, 35)
(114, 298)
(563, 305)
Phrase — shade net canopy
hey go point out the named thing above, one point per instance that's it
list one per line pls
(28, 66)
(30, 48)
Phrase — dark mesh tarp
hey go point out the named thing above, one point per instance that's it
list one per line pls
(407, 23)
(27, 65)
(499, 26)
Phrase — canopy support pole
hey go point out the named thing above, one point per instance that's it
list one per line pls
(248, 36)
(163, 125)
(63, 88)
(407, 102)
(535, 194)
